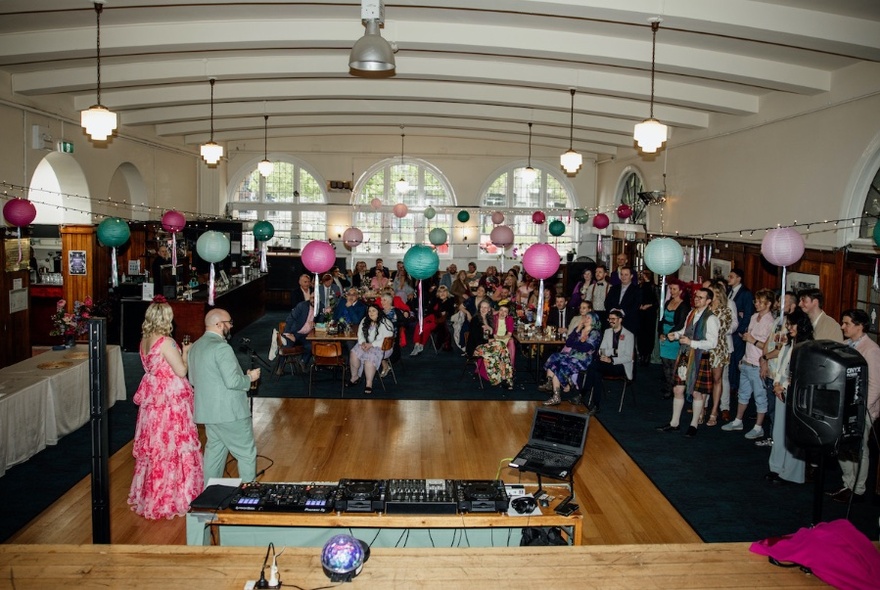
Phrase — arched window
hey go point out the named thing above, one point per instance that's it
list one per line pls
(509, 192)
(628, 193)
(871, 210)
(383, 232)
(291, 198)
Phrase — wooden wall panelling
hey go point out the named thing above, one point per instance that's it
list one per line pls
(78, 237)
(15, 343)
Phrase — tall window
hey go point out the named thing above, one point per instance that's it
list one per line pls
(509, 193)
(872, 208)
(291, 198)
(628, 193)
(383, 232)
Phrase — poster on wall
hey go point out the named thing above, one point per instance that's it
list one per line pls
(11, 246)
(76, 262)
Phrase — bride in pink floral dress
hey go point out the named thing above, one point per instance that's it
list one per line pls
(168, 461)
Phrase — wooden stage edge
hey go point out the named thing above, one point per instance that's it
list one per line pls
(717, 566)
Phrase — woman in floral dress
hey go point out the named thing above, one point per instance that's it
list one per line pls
(564, 366)
(719, 357)
(168, 461)
(496, 355)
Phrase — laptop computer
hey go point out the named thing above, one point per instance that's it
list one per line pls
(556, 443)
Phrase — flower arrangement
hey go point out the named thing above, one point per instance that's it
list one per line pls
(71, 324)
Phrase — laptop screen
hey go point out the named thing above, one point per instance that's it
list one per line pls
(560, 429)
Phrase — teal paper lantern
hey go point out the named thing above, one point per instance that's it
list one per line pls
(430, 213)
(557, 228)
(877, 234)
(437, 236)
(663, 256)
(113, 232)
(421, 262)
(263, 231)
(212, 246)
(581, 216)
(463, 216)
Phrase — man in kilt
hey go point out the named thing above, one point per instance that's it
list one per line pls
(693, 369)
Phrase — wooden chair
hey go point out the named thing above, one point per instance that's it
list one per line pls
(287, 355)
(387, 344)
(330, 355)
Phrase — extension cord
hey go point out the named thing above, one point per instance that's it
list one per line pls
(252, 585)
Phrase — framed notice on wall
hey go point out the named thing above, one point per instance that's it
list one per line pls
(76, 260)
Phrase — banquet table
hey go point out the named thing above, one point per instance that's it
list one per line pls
(46, 397)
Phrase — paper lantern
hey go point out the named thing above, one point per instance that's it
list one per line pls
(113, 232)
(556, 228)
(783, 246)
(463, 216)
(376, 203)
(581, 215)
(352, 237)
(421, 262)
(538, 217)
(624, 211)
(430, 213)
(497, 217)
(663, 256)
(601, 221)
(263, 231)
(877, 234)
(19, 212)
(400, 210)
(318, 256)
(173, 221)
(437, 236)
(502, 236)
(541, 261)
(212, 246)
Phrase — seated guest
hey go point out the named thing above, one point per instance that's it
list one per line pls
(359, 277)
(328, 294)
(339, 279)
(397, 317)
(496, 354)
(615, 355)
(366, 357)
(559, 315)
(299, 323)
(490, 279)
(447, 278)
(400, 267)
(472, 304)
(352, 310)
(480, 327)
(499, 295)
(379, 282)
(379, 269)
(564, 366)
(303, 292)
(438, 311)
(460, 286)
(402, 285)
(473, 277)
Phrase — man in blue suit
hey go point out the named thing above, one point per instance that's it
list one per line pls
(745, 308)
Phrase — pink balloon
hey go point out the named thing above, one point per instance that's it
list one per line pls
(173, 221)
(783, 246)
(601, 221)
(19, 212)
(624, 211)
(541, 261)
(352, 237)
(400, 210)
(538, 217)
(376, 203)
(497, 217)
(501, 236)
(318, 256)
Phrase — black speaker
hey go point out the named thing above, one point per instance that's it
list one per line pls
(825, 407)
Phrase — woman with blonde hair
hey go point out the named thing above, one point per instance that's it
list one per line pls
(166, 449)
(719, 357)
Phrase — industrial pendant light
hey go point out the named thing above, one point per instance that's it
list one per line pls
(402, 185)
(371, 53)
(529, 174)
(266, 167)
(98, 121)
(650, 134)
(212, 152)
(571, 160)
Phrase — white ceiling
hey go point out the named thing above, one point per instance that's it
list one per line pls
(465, 68)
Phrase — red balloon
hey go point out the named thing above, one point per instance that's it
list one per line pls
(538, 217)
(624, 211)
(601, 221)
(19, 212)
(173, 221)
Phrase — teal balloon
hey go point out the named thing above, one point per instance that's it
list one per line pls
(437, 236)
(557, 228)
(212, 246)
(430, 213)
(877, 234)
(581, 216)
(663, 256)
(421, 262)
(464, 216)
(263, 231)
(113, 232)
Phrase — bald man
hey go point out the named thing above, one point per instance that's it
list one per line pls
(221, 402)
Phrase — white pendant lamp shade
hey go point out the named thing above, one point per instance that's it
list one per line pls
(266, 167)
(99, 122)
(571, 161)
(211, 153)
(529, 175)
(650, 134)
(402, 185)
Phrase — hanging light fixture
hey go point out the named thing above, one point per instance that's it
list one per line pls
(98, 121)
(212, 152)
(265, 166)
(371, 53)
(402, 185)
(571, 160)
(529, 174)
(650, 134)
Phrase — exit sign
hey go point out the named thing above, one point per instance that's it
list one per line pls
(65, 147)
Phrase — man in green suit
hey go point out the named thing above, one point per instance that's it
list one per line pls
(221, 402)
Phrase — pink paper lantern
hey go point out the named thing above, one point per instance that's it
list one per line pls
(624, 211)
(538, 217)
(783, 246)
(173, 221)
(318, 256)
(497, 217)
(400, 210)
(541, 261)
(601, 221)
(502, 236)
(376, 203)
(19, 212)
(352, 237)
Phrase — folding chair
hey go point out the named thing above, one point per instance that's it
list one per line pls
(387, 344)
(618, 378)
(470, 361)
(330, 355)
(287, 355)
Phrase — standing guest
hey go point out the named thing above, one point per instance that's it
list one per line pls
(564, 366)
(769, 361)
(745, 308)
(598, 291)
(163, 259)
(303, 290)
(674, 315)
(496, 354)
(855, 324)
(366, 357)
(221, 401)
(720, 355)
(616, 354)
(718, 285)
(167, 456)
(693, 368)
(359, 276)
(627, 297)
(352, 310)
(581, 290)
(824, 328)
(438, 312)
(647, 334)
(460, 288)
(622, 261)
(490, 280)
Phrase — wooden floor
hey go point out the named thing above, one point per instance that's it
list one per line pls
(326, 440)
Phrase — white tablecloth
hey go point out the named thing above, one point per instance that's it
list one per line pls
(39, 406)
